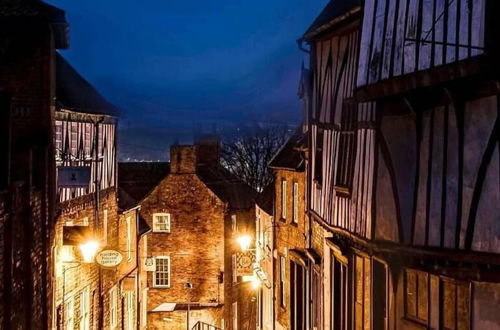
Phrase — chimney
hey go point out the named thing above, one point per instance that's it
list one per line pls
(207, 149)
(182, 159)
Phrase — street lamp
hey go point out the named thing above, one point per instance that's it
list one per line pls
(244, 241)
(89, 250)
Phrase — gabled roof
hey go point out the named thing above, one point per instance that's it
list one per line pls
(35, 8)
(75, 93)
(136, 180)
(227, 187)
(333, 10)
(289, 157)
(265, 199)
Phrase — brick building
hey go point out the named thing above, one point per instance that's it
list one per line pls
(30, 32)
(291, 234)
(264, 245)
(194, 208)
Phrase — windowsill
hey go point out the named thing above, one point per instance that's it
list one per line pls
(161, 286)
(343, 191)
(282, 219)
(160, 232)
(295, 224)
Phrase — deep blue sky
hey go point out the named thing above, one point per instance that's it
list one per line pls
(169, 63)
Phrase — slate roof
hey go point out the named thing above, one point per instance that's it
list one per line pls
(265, 199)
(75, 93)
(36, 8)
(227, 187)
(333, 10)
(137, 180)
(290, 157)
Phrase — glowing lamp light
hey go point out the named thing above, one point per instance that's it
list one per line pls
(244, 241)
(255, 283)
(89, 250)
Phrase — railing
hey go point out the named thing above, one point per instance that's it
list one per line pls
(204, 326)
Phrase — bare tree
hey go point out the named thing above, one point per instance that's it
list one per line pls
(247, 154)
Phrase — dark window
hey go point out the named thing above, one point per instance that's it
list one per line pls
(282, 281)
(417, 296)
(318, 157)
(347, 147)
(297, 296)
(339, 294)
(379, 296)
(316, 300)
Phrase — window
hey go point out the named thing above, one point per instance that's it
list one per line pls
(234, 226)
(318, 157)
(161, 222)
(105, 226)
(455, 304)
(162, 272)
(416, 296)
(380, 294)
(362, 291)
(282, 280)
(234, 315)
(295, 215)
(85, 309)
(113, 307)
(86, 221)
(69, 314)
(129, 239)
(283, 199)
(297, 296)
(339, 289)
(129, 305)
(234, 268)
(144, 309)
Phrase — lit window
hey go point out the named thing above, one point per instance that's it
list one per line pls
(69, 314)
(86, 221)
(282, 280)
(283, 199)
(295, 216)
(233, 223)
(455, 304)
(129, 301)
(129, 239)
(234, 268)
(162, 272)
(161, 222)
(85, 309)
(417, 300)
(113, 307)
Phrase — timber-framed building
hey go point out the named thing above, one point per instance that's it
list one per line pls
(404, 164)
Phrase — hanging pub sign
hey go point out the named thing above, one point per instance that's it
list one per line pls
(108, 258)
(73, 176)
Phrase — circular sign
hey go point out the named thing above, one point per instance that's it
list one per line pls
(109, 258)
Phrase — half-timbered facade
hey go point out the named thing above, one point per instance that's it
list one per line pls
(404, 162)
(85, 295)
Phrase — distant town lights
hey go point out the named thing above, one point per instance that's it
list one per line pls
(89, 250)
(244, 241)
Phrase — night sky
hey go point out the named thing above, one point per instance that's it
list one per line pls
(171, 65)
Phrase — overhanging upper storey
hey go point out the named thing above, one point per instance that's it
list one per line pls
(419, 43)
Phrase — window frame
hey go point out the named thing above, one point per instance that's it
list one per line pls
(284, 203)
(442, 306)
(129, 304)
(282, 281)
(295, 202)
(113, 307)
(69, 322)
(128, 220)
(85, 309)
(167, 223)
(407, 315)
(155, 284)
